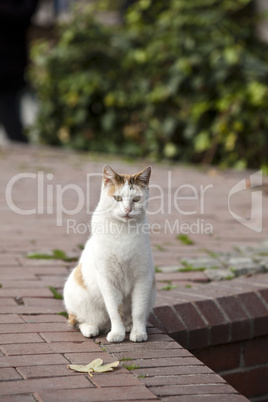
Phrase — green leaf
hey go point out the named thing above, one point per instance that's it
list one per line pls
(56, 294)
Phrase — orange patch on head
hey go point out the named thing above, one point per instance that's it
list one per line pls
(78, 276)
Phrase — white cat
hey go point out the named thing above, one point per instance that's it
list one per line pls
(113, 286)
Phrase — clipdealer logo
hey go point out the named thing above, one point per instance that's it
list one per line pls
(255, 221)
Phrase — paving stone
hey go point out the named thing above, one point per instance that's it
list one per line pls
(99, 394)
(10, 319)
(8, 374)
(22, 338)
(25, 293)
(43, 318)
(199, 389)
(35, 327)
(184, 380)
(219, 274)
(44, 348)
(32, 360)
(14, 387)
(30, 397)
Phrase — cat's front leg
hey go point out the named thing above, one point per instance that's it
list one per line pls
(141, 298)
(113, 303)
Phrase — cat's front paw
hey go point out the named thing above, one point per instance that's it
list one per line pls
(115, 337)
(88, 330)
(136, 336)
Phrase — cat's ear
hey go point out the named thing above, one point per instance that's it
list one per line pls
(143, 177)
(110, 176)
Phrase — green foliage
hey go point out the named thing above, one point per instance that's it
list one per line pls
(55, 293)
(130, 367)
(184, 239)
(63, 313)
(184, 80)
(54, 255)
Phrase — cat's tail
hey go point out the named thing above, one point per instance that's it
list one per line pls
(72, 320)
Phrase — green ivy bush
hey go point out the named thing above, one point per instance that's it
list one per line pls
(182, 79)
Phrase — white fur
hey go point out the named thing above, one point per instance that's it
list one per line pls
(117, 266)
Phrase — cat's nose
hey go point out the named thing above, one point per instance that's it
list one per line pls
(128, 210)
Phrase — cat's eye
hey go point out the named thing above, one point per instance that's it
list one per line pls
(117, 198)
(137, 198)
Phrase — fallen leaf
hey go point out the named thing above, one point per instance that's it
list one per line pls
(94, 367)
(79, 368)
(107, 367)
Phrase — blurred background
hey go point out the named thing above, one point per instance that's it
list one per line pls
(184, 80)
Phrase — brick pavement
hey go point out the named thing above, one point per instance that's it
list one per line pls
(36, 344)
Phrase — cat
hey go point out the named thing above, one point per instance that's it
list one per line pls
(113, 286)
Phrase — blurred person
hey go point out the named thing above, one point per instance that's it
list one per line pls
(15, 17)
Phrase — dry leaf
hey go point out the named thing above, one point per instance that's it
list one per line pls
(107, 367)
(80, 369)
(94, 367)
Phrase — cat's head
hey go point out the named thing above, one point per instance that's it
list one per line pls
(126, 195)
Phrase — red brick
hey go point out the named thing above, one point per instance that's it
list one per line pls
(21, 284)
(256, 351)
(30, 309)
(199, 389)
(182, 276)
(122, 380)
(85, 358)
(131, 347)
(152, 354)
(25, 293)
(183, 380)
(257, 311)
(251, 382)
(59, 370)
(219, 327)
(151, 338)
(240, 326)
(44, 318)
(170, 321)
(7, 374)
(207, 398)
(22, 328)
(10, 319)
(198, 331)
(48, 270)
(21, 338)
(7, 301)
(67, 336)
(14, 273)
(19, 387)
(98, 394)
(43, 302)
(156, 322)
(196, 368)
(164, 362)
(221, 357)
(22, 398)
(55, 347)
(264, 294)
(32, 360)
